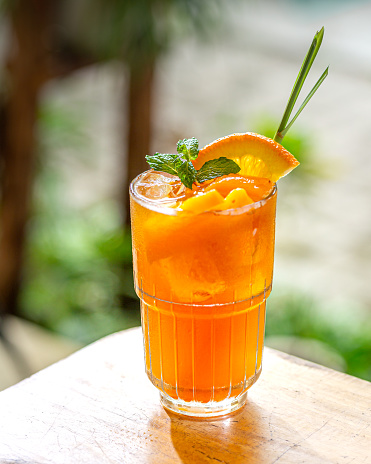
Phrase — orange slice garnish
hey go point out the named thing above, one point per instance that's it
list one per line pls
(256, 155)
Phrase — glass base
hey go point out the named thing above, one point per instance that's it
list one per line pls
(203, 410)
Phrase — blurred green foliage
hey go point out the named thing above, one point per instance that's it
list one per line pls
(79, 274)
(138, 30)
(343, 328)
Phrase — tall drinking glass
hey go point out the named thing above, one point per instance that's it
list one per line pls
(203, 281)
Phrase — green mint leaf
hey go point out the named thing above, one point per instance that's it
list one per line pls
(188, 148)
(216, 168)
(172, 164)
(187, 174)
(164, 162)
(181, 164)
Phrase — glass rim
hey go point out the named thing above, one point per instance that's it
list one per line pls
(160, 207)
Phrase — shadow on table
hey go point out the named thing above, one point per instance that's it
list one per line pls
(226, 440)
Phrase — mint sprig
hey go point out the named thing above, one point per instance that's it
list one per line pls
(166, 163)
(181, 164)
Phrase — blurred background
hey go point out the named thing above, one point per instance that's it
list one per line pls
(89, 88)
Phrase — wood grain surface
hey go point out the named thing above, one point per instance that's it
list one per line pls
(97, 406)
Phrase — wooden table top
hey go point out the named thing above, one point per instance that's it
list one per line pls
(97, 406)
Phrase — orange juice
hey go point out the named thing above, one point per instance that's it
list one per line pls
(203, 279)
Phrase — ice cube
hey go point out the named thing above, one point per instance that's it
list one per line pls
(156, 191)
(156, 177)
(157, 186)
(177, 190)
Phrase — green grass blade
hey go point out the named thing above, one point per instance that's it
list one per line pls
(303, 73)
(303, 105)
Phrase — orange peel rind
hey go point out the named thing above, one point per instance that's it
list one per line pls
(256, 155)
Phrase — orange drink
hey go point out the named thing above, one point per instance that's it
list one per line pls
(203, 264)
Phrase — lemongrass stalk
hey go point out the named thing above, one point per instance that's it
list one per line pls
(303, 73)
